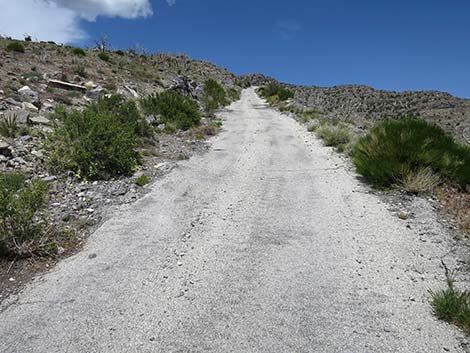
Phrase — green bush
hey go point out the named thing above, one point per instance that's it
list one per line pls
(126, 111)
(20, 203)
(275, 89)
(233, 94)
(395, 148)
(452, 305)
(98, 142)
(78, 52)
(142, 180)
(333, 135)
(214, 96)
(104, 56)
(172, 108)
(16, 47)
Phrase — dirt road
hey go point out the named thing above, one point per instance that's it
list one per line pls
(265, 244)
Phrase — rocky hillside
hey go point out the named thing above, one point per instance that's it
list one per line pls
(364, 105)
(37, 78)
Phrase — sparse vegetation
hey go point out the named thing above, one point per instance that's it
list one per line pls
(98, 142)
(214, 96)
(21, 230)
(80, 70)
(394, 149)
(452, 305)
(16, 47)
(104, 56)
(78, 52)
(172, 108)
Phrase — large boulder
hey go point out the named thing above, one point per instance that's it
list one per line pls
(187, 87)
(28, 95)
(5, 149)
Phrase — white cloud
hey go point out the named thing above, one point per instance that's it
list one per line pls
(40, 20)
(288, 29)
(90, 9)
(59, 20)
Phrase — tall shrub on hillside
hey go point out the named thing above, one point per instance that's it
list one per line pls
(396, 148)
(172, 108)
(98, 142)
(214, 96)
(274, 89)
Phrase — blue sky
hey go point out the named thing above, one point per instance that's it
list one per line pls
(397, 45)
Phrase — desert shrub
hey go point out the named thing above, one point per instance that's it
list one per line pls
(78, 52)
(275, 89)
(233, 94)
(98, 142)
(333, 135)
(452, 305)
(395, 148)
(126, 111)
(313, 126)
(104, 56)
(142, 180)
(80, 70)
(16, 47)
(9, 126)
(419, 181)
(214, 96)
(20, 202)
(172, 108)
(119, 52)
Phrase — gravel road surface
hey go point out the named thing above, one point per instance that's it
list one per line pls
(268, 243)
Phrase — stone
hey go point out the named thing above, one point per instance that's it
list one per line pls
(21, 116)
(403, 215)
(28, 94)
(29, 106)
(39, 120)
(49, 179)
(95, 93)
(66, 85)
(13, 102)
(128, 92)
(5, 149)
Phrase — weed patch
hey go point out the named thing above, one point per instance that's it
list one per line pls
(142, 180)
(333, 135)
(452, 305)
